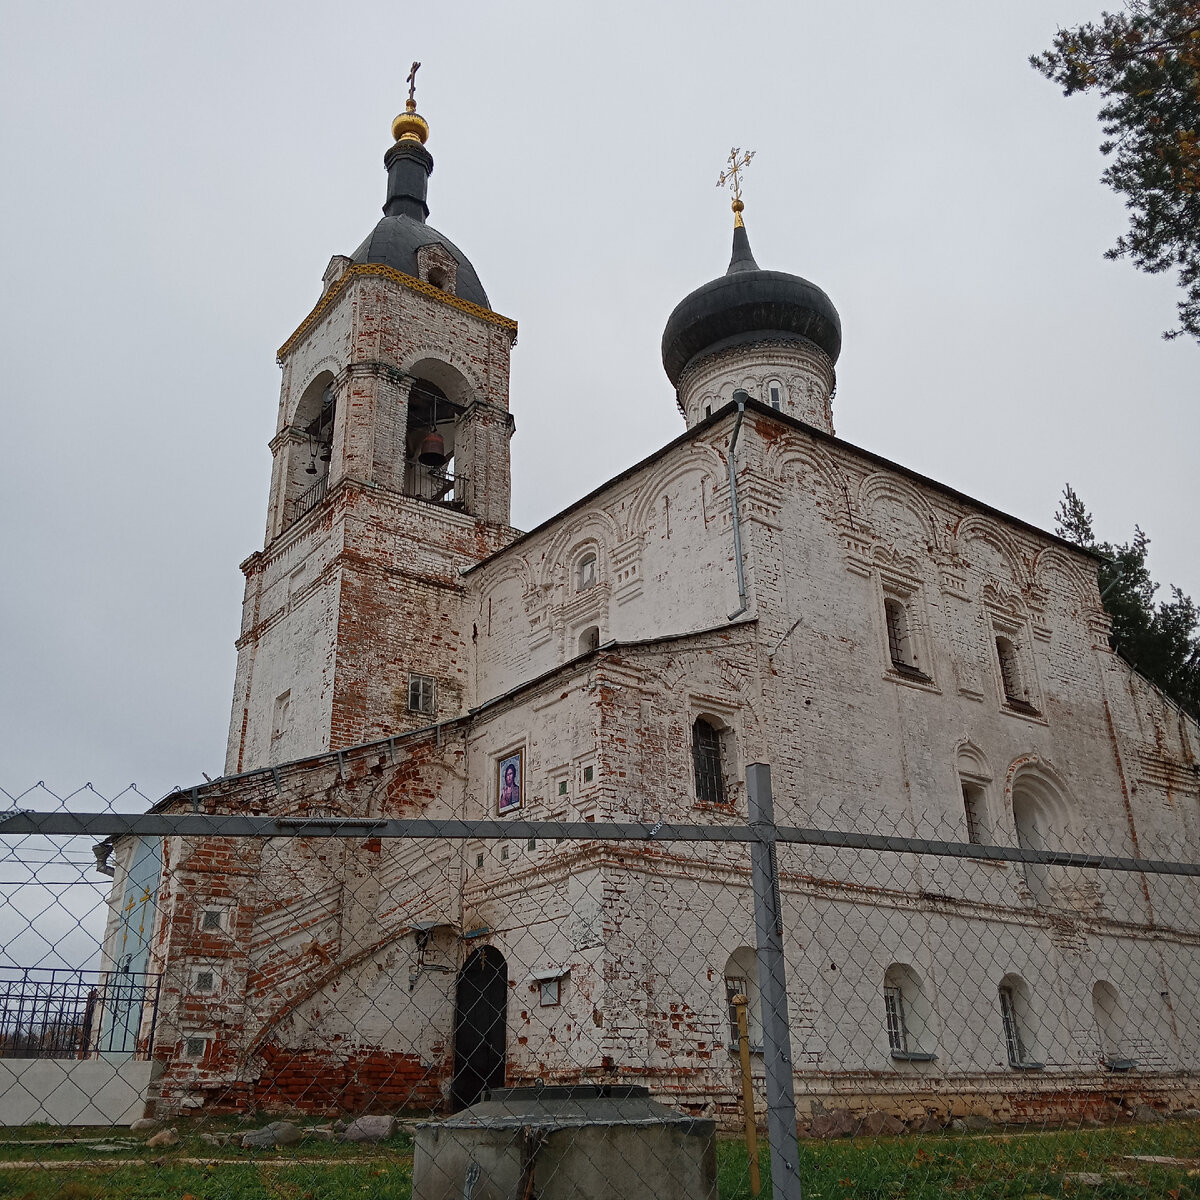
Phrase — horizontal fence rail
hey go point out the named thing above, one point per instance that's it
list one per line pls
(26, 822)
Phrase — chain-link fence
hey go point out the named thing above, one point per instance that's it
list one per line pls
(197, 1000)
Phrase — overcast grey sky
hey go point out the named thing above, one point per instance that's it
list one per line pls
(177, 176)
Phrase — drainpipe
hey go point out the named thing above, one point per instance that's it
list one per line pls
(740, 397)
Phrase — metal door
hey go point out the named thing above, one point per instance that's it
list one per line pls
(480, 1007)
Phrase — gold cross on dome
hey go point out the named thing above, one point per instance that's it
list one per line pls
(732, 174)
(411, 80)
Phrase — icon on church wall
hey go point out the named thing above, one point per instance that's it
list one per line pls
(508, 783)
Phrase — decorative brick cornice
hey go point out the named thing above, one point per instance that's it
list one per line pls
(408, 281)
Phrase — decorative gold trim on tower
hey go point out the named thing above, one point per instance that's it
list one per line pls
(408, 281)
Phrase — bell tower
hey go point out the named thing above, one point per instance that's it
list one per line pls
(390, 475)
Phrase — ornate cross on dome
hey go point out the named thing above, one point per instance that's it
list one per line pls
(411, 80)
(732, 176)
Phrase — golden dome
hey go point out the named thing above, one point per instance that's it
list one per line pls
(410, 126)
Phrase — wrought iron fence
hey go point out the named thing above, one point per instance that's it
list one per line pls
(307, 500)
(54, 1012)
(435, 485)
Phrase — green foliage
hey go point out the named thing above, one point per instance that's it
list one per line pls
(1145, 63)
(1019, 1161)
(1162, 641)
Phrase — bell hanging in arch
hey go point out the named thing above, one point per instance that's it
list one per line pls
(433, 450)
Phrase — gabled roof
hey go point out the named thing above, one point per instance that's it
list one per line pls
(764, 410)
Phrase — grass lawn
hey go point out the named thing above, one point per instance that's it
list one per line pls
(1015, 1166)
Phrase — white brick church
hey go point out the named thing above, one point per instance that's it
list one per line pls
(906, 658)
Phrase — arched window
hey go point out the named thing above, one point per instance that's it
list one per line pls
(1041, 819)
(1010, 671)
(589, 639)
(974, 776)
(1110, 1016)
(707, 757)
(907, 1014)
(775, 395)
(741, 978)
(585, 573)
(1020, 1028)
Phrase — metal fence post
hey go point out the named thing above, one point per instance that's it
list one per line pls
(772, 983)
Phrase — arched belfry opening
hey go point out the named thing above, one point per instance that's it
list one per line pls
(437, 401)
(310, 449)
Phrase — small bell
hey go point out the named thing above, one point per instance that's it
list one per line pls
(326, 451)
(311, 469)
(433, 450)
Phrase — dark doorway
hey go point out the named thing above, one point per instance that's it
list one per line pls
(480, 1006)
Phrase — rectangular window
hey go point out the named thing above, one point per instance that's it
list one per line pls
(1012, 1031)
(533, 843)
(897, 633)
(585, 573)
(211, 919)
(283, 715)
(973, 808)
(204, 981)
(897, 1030)
(479, 860)
(194, 1047)
(1010, 672)
(422, 695)
(735, 985)
(562, 787)
(706, 753)
(589, 774)
(550, 992)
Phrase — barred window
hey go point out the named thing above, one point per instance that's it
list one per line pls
(899, 643)
(897, 1030)
(735, 985)
(972, 796)
(422, 695)
(706, 751)
(211, 919)
(908, 1015)
(1013, 1041)
(205, 981)
(194, 1047)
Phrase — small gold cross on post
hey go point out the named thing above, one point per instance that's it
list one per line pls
(732, 176)
(412, 85)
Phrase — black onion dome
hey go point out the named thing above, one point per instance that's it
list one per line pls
(402, 230)
(748, 304)
(394, 243)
